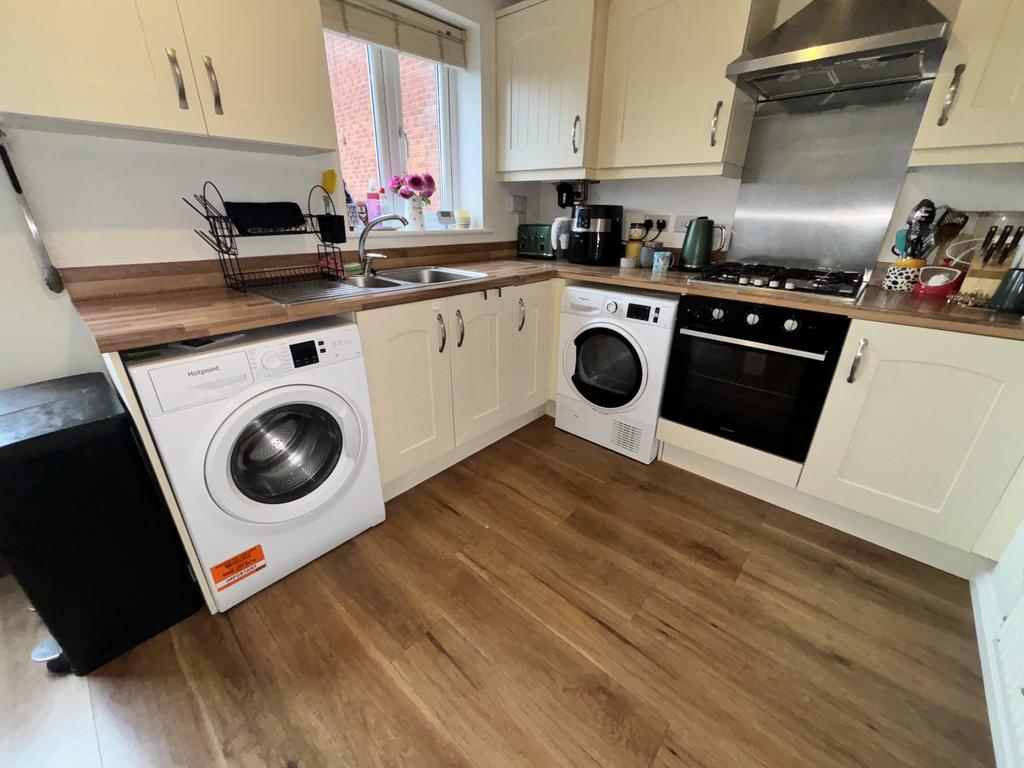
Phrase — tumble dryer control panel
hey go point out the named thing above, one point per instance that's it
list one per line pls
(620, 306)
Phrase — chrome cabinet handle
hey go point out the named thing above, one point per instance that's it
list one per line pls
(462, 328)
(444, 333)
(575, 133)
(522, 314)
(856, 361)
(714, 124)
(179, 81)
(218, 107)
(954, 86)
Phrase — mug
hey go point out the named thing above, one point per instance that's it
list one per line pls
(662, 261)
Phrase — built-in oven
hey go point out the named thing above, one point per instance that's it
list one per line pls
(750, 373)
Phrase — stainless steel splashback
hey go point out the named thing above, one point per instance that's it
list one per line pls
(823, 174)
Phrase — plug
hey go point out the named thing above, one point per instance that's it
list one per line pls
(662, 225)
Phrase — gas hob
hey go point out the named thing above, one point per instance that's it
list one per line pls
(841, 285)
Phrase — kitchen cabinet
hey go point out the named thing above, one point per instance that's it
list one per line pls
(481, 355)
(248, 71)
(122, 62)
(407, 349)
(668, 108)
(927, 436)
(531, 345)
(975, 113)
(549, 65)
(261, 69)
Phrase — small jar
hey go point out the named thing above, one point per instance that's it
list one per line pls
(635, 243)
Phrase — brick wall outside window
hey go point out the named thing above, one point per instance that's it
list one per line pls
(349, 69)
(419, 111)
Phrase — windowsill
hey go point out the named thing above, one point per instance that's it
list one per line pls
(385, 234)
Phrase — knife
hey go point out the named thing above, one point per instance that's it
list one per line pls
(1000, 242)
(985, 255)
(1012, 245)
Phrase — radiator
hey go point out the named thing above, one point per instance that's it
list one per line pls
(1010, 660)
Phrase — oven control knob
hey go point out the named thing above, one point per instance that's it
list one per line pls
(753, 318)
(717, 313)
(271, 361)
(791, 324)
(612, 307)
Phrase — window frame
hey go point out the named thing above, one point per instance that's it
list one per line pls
(389, 129)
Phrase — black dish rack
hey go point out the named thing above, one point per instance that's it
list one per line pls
(222, 235)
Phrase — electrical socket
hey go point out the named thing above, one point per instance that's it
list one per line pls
(656, 218)
(517, 203)
(680, 224)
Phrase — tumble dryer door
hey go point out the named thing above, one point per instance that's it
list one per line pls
(284, 453)
(606, 366)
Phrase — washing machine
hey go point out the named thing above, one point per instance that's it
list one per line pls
(267, 441)
(614, 357)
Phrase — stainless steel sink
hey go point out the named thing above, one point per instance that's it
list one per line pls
(424, 275)
(372, 281)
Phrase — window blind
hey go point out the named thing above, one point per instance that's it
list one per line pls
(389, 24)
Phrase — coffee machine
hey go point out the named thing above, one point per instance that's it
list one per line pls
(596, 235)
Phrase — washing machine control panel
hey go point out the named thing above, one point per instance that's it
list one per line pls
(281, 357)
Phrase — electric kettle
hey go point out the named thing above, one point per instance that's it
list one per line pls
(560, 229)
(697, 247)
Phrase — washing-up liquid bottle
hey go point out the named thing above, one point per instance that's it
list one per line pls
(373, 201)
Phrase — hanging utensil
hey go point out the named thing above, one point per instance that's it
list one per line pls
(51, 276)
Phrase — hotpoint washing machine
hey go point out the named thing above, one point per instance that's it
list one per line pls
(614, 357)
(267, 441)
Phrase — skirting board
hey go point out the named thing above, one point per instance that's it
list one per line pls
(987, 620)
(409, 480)
(934, 553)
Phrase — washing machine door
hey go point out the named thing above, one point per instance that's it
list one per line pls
(284, 453)
(606, 366)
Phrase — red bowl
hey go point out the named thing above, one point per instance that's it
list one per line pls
(938, 291)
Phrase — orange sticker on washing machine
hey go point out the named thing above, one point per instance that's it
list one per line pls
(238, 567)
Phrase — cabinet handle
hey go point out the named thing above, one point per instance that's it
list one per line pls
(856, 361)
(462, 328)
(179, 81)
(575, 133)
(714, 124)
(522, 314)
(218, 107)
(954, 86)
(444, 333)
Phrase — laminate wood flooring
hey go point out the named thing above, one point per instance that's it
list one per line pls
(543, 603)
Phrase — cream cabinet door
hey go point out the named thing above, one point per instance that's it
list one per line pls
(121, 62)
(928, 434)
(481, 344)
(986, 107)
(407, 350)
(531, 346)
(261, 69)
(665, 83)
(543, 71)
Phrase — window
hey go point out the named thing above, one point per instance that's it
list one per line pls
(393, 114)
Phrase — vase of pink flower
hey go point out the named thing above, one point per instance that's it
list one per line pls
(416, 189)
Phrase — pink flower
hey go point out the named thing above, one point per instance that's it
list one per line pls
(396, 183)
(415, 182)
(405, 193)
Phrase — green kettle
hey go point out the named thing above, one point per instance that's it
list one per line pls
(698, 246)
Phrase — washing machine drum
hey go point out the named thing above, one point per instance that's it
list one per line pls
(285, 453)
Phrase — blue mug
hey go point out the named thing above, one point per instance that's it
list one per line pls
(662, 261)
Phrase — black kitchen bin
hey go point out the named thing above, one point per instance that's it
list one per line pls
(83, 527)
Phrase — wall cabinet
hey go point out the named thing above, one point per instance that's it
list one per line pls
(976, 109)
(927, 436)
(407, 353)
(442, 373)
(252, 71)
(667, 106)
(549, 64)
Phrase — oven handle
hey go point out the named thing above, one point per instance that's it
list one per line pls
(820, 356)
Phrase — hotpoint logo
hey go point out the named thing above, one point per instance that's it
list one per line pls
(203, 371)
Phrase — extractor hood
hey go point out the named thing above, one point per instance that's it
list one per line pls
(834, 45)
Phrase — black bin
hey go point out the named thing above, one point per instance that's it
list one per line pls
(83, 527)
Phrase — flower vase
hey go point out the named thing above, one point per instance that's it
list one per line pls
(414, 213)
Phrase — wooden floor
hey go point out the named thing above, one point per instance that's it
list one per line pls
(543, 603)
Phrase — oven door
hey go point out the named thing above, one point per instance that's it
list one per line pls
(606, 366)
(764, 396)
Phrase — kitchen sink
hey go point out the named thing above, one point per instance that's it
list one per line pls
(372, 281)
(424, 275)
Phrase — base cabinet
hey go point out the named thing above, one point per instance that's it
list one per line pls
(921, 429)
(407, 353)
(445, 372)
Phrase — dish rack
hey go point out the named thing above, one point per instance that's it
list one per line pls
(222, 235)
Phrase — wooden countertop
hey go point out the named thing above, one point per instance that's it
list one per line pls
(133, 320)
